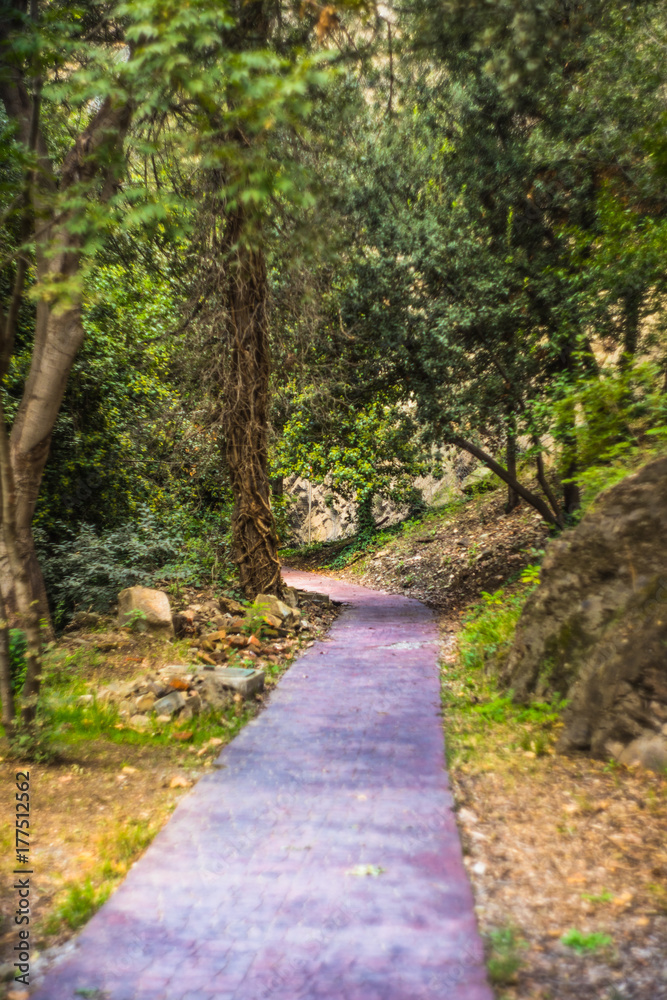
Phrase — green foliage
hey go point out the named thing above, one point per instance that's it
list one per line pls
(586, 943)
(18, 646)
(504, 959)
(136, 620)
(489, 628)
(621, 422)
(34, 744)
(80, 901)
(254, 618)
(88, 571)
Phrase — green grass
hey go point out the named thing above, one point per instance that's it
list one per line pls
(482, 718)
(586, 944)
(598, 898)
(80, 900)
(504, 946)
(119, 847)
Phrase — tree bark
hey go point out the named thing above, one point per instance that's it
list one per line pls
(6, 692)
(58, 332)
(513, 499)
(245, 413)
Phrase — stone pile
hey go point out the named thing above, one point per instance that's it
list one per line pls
(179, 691)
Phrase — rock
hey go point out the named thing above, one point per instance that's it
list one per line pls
(85, 699)
(183, 623)
(170, 704)
(154, 604)
(314, 596)
(244, 682)
(595, 629)
(213, 694)
(108, 695)
(291, 598)
(140, 722)
(649, 751)
(228, 606)
(83, 619)
(145, 703)
(272, 605)
(125, 708)
(193, 703)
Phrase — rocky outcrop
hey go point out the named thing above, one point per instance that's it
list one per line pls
(595, 629)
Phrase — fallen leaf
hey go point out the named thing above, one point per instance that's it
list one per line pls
(623, 899)
(179, 684)
(182, 736)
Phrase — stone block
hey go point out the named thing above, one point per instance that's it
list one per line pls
(244, 681)
(170, 704)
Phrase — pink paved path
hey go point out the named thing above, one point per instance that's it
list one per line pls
(248, 893)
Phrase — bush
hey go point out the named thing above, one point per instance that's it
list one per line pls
(17, 661)
(89, 569)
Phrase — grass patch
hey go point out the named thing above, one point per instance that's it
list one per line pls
(504, 947)
(118, 849)
(483, 722)
(586, 944)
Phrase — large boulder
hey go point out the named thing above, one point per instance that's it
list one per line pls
(595, 629)
(146, 610)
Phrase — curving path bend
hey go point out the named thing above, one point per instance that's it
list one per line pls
(320, 860)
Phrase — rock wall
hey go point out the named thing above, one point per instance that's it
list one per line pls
(332, 517)
(595, 630)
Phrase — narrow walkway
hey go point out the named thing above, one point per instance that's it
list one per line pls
(321, 858)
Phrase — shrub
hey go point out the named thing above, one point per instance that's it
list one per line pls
(89, 569)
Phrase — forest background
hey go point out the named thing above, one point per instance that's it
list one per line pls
(241, 241)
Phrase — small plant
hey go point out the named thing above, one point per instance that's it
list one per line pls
(32, 744)
(254, 618)
(17, 662)
(504, 961)
(136, 620)
(79, 902)
(531, 574)
(601, 897)
(585, 943)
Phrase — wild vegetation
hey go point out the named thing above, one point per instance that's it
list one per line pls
(242, 241)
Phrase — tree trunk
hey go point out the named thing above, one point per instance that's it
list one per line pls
(531, 498)
(58, 332)
(27, 606)
(245, 414)
(6, 693)
(513, 499)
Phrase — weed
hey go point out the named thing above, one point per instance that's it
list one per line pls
(79, 901)
(585, 944)
(504, 955)
(136, 620)
(659, 895)
(254, 618)
(34, 744)
(601, 897)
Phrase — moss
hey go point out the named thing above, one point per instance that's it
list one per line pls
(562, 653)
